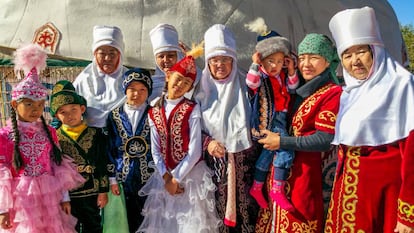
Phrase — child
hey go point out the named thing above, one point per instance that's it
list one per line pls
(270, 104)
(129, 137)
(34, 175)
(181, 191)
(84, 145)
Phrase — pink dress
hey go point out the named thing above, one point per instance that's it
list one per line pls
(32, 195)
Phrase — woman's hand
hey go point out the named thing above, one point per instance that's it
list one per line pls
(102, 200)
(5, 221)
(271, 141)
(401, 228)
(66, 207)
(216, 149)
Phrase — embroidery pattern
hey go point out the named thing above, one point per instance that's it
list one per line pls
(405, 211)
(143, 164)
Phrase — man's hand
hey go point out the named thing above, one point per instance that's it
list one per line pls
(65, 207)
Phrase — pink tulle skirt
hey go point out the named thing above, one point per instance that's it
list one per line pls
(34, 202)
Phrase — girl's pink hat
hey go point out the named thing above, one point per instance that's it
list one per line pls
(32, 60)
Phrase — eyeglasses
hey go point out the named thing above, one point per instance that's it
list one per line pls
(222, 60)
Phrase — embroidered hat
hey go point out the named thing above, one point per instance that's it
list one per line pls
(108, 35)
(186, 66)
(139, 75)
(32, 60)
(219, 41)
(268, 46)
(355, 27)
(64, 93)
(259, 26)
(164, 37)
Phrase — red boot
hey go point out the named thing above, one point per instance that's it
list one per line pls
(257, 194)
(278, 195)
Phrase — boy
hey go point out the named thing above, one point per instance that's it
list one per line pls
(84, 145)
(130, 143)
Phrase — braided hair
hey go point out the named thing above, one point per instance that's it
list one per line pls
(17, 157)
(57, 153)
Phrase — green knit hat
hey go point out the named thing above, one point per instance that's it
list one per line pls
(320, 44)
(64, 93)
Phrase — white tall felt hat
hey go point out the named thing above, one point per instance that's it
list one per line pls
(108, 35)
(164, 37)
(355, 27)
(219, 41)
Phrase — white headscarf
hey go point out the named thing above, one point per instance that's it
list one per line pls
(224, 103)
(380, 109)
(103, 92)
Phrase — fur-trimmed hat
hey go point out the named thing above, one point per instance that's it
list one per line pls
(32, 60)
(139, 75)
(64, 93)
(108, 35)
(272, 45)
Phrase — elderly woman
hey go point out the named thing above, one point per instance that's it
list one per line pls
(101, 81)
(223, 99)
(374, 184)
(315, 108)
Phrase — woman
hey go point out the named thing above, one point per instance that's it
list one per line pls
(374, 183)
(224, 104)
(315, 108)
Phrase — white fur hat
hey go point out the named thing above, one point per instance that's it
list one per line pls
(219, 41)
(355, 27)
(164, 37)
(108, 35)
(274, 44)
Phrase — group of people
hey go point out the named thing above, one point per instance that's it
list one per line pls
(217, 150)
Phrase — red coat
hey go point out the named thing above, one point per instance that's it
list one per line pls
(374, 188)
(317, 112)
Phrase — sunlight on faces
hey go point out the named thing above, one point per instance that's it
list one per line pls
(220, 66)
(136, 93)
(312, 65)
(71, 114)
(107, 58)
(166, 60)
(357, 61)
(28, 110)
(178, 85)
(273, 63)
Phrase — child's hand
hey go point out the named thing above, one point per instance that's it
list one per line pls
(115, 189)
(173, 187)
(102, 200)
(256, 58)
(5, 221)
(290, 64)
(65, 207)
(216, 149)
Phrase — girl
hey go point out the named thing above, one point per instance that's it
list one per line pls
(181, 191)
(34, 176)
